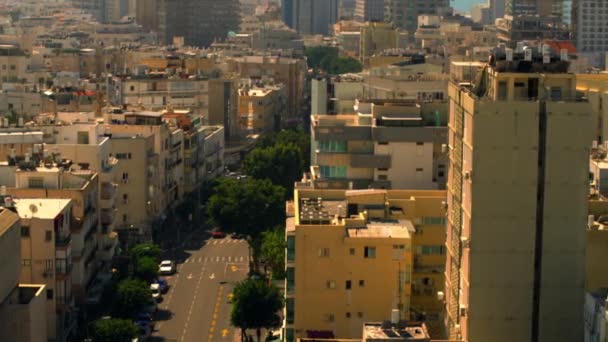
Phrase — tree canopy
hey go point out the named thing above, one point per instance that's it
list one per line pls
(114, 330)
(281, 164)
(146, 250)
(327, 59)
(273, 251)
(247, 207)
(256, 306)
(146, 268)
(131, 296)
(286, 137)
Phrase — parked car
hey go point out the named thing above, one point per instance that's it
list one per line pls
(145, 330)
(162, 283)
(237, 236)
(155, 289)
(166, 267)
(150, 308)
(143, 316)
(218, 234)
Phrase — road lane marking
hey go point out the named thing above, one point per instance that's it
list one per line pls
(212, 276)
(189, 276)
(217, 304)
(229, 296)
(225, 333)
(185, 330)
(217, 259)
(233, 268)
(241, 259)
(200, 259)
(229, 258)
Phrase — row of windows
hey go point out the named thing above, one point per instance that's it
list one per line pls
(332, 146)
(332, 171)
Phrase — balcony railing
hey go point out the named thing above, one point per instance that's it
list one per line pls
(107, 216)
(63, 269)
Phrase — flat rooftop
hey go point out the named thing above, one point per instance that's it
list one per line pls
(43, 208)
(395, 332)
(374, 229)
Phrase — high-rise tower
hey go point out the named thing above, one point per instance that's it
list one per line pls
(519, 142)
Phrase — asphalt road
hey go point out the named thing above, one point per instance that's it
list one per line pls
(196, 307)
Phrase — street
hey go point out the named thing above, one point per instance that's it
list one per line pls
(196, 307)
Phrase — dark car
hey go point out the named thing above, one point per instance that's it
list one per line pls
(163, 285)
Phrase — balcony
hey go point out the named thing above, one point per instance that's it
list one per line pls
(107, 216)
(108, 246)
(107, 165)
(370, 161)
(63, 270)
(108, 194)
(63, 241)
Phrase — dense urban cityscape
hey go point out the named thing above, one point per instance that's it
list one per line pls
(303, 170)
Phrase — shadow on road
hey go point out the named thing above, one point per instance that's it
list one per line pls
(163, 315)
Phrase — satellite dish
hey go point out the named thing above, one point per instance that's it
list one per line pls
(33, 208)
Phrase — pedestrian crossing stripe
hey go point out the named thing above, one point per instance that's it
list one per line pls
(215, 259)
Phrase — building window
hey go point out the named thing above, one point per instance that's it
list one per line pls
(333, 146)
(348, 315)
(25, 231)
(348, 285)
(351, 251)
(291, 248)
(332, 171)
(26, 262)
(125, 177)
(324, 252)
(36, 182)
(124, 218)
(49, 294)
(361, 283)
(48, 265)
(330, 284)
(290, 275)
(382, 177)
(132, 88)
(290, 307)
(48, 235)
(369, 252)
(360, 314)
(431, 250)
(435, 220)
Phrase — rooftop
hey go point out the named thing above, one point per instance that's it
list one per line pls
(398, 230)
(43, 208)
(386, 331)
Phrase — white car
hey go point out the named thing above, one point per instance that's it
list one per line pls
(166, 267)
(155, 289)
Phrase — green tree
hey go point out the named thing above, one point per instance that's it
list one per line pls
(281, 164)
(327, 59)
(131, 296)
(247, 207)
(114, 330)
(146, 250)
(273, 251)
(256, 306)
(146, 268)
(288, 136)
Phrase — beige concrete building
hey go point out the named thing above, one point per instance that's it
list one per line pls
(23, 306)
(595, 88)
(223, 107)
(46, 258)
(519, 145)
(387, 144)
(157, 90)
(288, 71)
(261, 109)
(345, 249)
(91, 249)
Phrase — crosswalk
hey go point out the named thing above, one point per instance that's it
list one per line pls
(192, 245)
(216, 259)
(224, 241)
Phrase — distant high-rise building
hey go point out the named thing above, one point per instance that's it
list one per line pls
(590, 25)
(534, 7)
(519, 142)
(497, 9)
(287, 12)
(200, 22)
(404, 13)
(314, 16)
(369, 10)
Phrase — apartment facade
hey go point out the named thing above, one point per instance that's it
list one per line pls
(404, 14)
(354, 256)
(377, 37)
(23, 308)
(261, 109)
(387, 144)
(46, 258)
(516, 205)
(159, 90)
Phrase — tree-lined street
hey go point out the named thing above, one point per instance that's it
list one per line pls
(197, 305)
